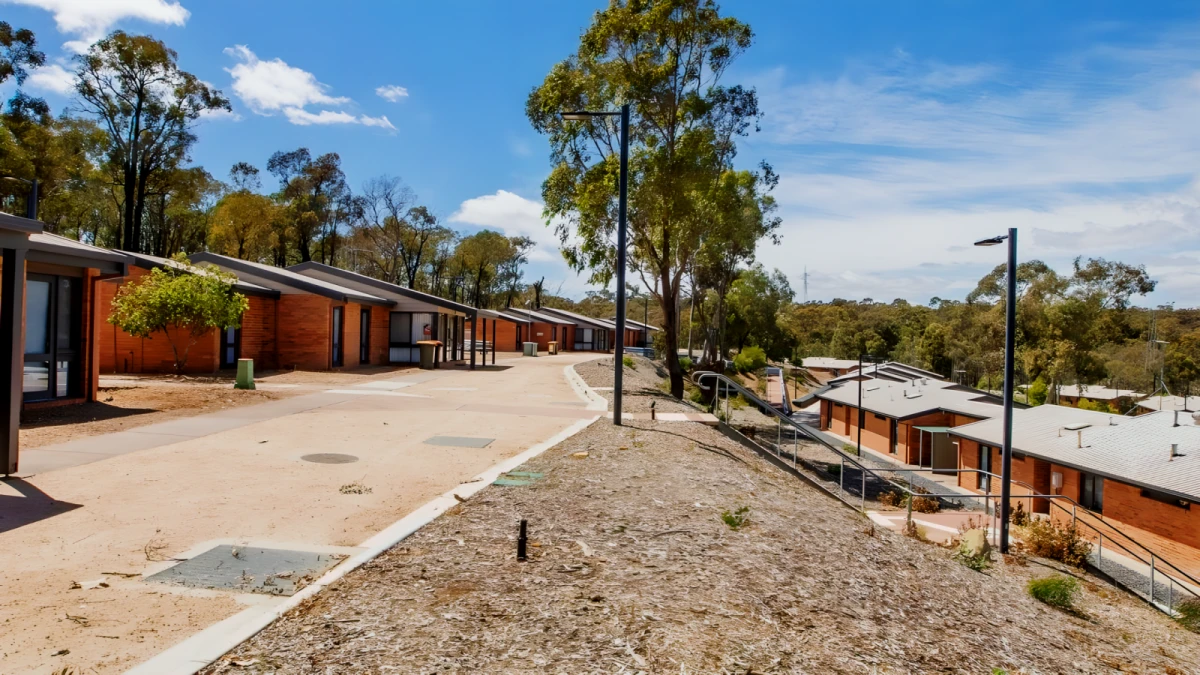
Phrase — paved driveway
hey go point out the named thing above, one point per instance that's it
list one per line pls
(97, 514)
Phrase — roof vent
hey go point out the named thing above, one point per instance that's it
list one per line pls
(1176, 422)
(1077, 426)
(1196, 418)
(1174, 451)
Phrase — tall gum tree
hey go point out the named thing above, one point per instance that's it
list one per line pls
(666, 58)
(133, 86)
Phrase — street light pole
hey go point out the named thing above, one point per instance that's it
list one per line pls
(622, 212)
(1010, 338)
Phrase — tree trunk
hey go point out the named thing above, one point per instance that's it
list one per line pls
(129, 187)
(139, 210)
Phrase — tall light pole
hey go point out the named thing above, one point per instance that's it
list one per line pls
(1010, 338)
(619, 346)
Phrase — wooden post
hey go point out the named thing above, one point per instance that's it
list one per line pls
(12, 311)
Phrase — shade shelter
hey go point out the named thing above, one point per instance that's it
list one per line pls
(319, 325)
(541, 327)
(503, 330)
(591, 334)
(413, 316)
(47, 323)
(255, 338)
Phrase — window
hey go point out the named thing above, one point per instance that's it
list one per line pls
(879, 417)
(982, 480)
(336, 340)
(52, 337)
(895, 434)
(1166, 499)
(231, 347)
(364, 335)
(1091, 492)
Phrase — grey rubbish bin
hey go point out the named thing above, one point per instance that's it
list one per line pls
(530, 348)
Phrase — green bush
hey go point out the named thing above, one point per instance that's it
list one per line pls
(1057, 590)
(849, 449)
(1048, 539)
(738, 519)
(1188, 614)
(1037, 392)
(835, 469)
(750, 359)
(685, 363)
(628, 361)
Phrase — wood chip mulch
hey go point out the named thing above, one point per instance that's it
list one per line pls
(633, 568)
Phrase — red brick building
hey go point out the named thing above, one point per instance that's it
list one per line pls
(410, 316)
(905, 420)
(541, 327)
(591, 334)
(48, 323)
(1142, 472)
(120, 352)
(315, 325)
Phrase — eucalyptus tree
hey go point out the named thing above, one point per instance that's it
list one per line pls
(133, 86)
(667, 59)
(18, 53)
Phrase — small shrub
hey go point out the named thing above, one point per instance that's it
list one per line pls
(912, 529)
(891, 498)
(750, 359)
(1057, 591)
(1188, 614)
(1019, 516)
(835, 469)
(849, 449)
(978, 563)
(738, 519)
(696, 395)
(1048, 539)
(628, 361)
(685, 363)
(926, 504)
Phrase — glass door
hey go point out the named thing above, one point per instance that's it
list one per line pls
(52, 330)
(231, 347)
(337, 336)
(364, 336)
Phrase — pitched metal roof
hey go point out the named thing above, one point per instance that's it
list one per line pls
(1133, 450)
(274, 277)
(580, 318)
(147, 261)
(526, 315)
(18, 224)
(309, 268)
(826, 362)
(636, 324)
(56, 249)
(1096, 392)
(1181, 403)
(903, 400)
(890, 370)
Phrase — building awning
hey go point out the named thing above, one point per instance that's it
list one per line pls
(933, 430)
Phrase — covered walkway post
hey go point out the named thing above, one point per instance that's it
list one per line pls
(474, 325)
(12, 311)
(493, 342)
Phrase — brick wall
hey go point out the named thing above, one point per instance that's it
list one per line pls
(260, 332)
(120, 352)
(304, 331)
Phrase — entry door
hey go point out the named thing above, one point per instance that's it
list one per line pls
(983, 481)
(52, 337)
(231, 347)
(364, 336)
(338, 315)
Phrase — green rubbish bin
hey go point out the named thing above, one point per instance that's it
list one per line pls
(245, 374)
(530, 349)
(428, 353)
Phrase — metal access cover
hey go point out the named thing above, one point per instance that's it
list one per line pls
(250, 569)
(330, 458)
(459, 441)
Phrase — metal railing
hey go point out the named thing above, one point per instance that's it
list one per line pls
(1178, 583)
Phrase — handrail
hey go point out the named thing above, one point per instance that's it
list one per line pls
(699, 377)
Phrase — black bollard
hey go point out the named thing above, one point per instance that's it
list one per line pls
(522, 540)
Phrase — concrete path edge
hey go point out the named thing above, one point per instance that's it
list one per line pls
(210, 644)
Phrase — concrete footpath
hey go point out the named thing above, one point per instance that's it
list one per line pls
(91, 518)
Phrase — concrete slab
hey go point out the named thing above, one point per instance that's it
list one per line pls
(459, 441)
(249, 569)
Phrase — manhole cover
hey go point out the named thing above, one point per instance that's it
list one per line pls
(330, 458)
(518, 478)
(250, 569)
(459, 441)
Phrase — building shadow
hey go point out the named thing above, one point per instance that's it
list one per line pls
(91, 411)
(30, 507)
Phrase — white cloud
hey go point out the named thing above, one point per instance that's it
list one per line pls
(513, 215)
(53, 78)
(392, 92)
(382, 122)
(890, 171)
(92, 19)
(270, 86)
(302, 117)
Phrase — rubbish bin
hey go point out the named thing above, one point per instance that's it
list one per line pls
(530, 348)
(428, 353)
(552, 348)
(245, 374)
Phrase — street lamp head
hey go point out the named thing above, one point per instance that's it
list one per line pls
(992, 241)
(577, 116)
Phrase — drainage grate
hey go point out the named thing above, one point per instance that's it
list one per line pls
(250, 569)
(330, 458)
(459, 441)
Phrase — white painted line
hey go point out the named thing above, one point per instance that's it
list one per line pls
(388, 385)
(210, 644)
(374, 392)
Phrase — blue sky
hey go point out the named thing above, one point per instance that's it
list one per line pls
(902, 131)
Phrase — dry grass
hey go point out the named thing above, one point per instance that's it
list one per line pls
(633, 568)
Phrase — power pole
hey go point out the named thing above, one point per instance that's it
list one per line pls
(806, 284)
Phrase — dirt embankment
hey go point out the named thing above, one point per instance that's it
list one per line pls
(643, 384)
(669, 548)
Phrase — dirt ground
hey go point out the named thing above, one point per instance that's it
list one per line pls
(670, 548)
(642, 384)
(128, 401)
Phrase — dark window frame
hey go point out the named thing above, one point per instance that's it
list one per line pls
(73, 354)
(1168, 499)
(364, 336)
(337, 342)
(237, 347)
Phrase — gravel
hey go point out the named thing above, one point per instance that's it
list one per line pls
(633, 568)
